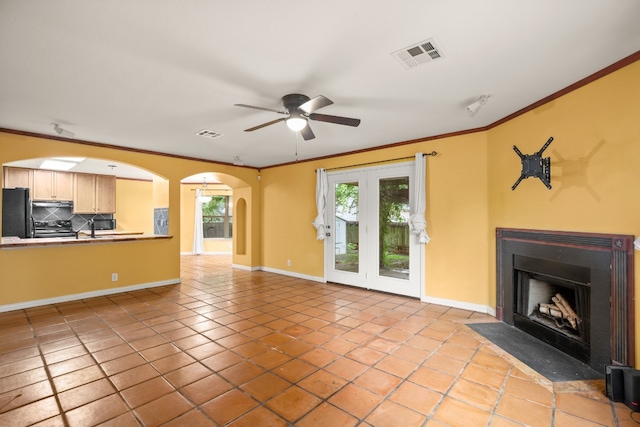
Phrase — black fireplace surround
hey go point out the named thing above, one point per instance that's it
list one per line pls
(594, 271)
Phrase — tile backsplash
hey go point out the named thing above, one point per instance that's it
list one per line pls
(161, 221)
(78, 221)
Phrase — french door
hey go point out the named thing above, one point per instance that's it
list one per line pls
(369, 243)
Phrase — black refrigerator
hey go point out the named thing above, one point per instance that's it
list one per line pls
(16, 213)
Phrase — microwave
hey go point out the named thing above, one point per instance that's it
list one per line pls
(104, 223)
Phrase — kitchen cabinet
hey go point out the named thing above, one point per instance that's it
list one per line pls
(17, 177)
(94, 193)
(105, 194)
(52, 185)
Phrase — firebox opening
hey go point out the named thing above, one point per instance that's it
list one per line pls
(552, 303)
(563, 307)
(555, 311)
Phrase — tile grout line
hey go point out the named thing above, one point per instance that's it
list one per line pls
(163, 375)
(222, 293)
(99, 366)
(63, 415)
(501, 392)
(322, 400)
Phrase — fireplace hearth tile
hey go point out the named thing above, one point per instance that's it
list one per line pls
(546, 360)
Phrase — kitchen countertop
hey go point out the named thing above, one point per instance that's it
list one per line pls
(110, 232)
(16, 242)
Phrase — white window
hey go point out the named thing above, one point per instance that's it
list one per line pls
(217, 217)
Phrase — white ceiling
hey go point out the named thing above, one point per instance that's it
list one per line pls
(99, 166)
(149, 74)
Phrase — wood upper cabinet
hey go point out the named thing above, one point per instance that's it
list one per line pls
(84, 193)
(105, 194)
(52, 185)
(94, 193)
(17, 177)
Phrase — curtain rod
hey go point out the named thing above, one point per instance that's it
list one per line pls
(433, 153)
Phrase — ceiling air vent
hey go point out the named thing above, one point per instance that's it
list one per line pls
(418, 54)
(209, 134)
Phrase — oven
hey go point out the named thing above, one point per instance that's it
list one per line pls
(54, 228)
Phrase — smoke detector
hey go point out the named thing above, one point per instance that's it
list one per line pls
(420, 53)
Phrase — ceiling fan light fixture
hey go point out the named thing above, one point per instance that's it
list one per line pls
(299, 109)
(296, 123)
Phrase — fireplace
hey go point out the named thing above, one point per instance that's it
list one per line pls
(573, 291)
(554, 307)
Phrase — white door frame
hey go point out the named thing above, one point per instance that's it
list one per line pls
(366, 178)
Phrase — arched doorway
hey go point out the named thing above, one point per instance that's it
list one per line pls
(218, 222)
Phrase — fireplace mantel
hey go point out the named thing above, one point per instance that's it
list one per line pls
(579, 248)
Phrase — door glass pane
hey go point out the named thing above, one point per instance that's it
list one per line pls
(394, 228)
(346, 227)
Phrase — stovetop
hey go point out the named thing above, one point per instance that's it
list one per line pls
(53, 228)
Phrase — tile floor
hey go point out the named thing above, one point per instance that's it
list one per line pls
(237, 348)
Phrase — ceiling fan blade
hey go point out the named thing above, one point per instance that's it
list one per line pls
(315, 104)
(307, 133)
(335, 119)
(261, 108)
(265, 125)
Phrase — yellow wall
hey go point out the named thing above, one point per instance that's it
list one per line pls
(594, 165)
(288, 208)
(68, 270)
(134, 201)
(456, 215)
(160, 193)
(47, 272)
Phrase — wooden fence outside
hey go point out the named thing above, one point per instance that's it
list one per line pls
(397, 238)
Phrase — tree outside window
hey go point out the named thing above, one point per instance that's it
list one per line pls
(217, 217)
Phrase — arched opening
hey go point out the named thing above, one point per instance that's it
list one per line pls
(76, 192)
(221, 222)
(206, 215)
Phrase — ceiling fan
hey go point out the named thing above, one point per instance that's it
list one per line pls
(299, 109)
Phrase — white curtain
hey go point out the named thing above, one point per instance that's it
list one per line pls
(198, 234)
(321, 202)
(417, 221)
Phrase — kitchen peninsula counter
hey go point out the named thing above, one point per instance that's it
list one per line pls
(100, 233)
(16, 242)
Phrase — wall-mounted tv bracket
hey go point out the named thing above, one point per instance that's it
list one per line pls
(535, 165)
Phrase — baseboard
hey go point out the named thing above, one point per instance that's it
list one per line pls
(85, 295)
(433, 300)
(293, 274)
(245, 267)
(206, 253)
(460, 304)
